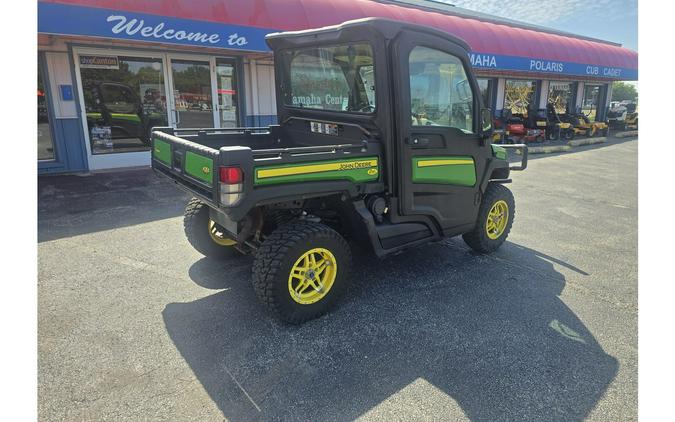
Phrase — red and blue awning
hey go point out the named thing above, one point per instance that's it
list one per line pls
(242, 25)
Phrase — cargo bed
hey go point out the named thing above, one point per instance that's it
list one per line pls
(266, 158)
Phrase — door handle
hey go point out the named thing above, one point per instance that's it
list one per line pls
(417, 141)
(177, 114)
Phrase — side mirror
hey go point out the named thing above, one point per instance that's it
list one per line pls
(486, 122)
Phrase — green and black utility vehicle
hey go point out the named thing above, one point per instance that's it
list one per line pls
(381, 142)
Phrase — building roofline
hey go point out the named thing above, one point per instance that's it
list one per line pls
(450, 9)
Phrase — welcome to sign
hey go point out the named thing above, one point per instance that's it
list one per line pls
(54, 18)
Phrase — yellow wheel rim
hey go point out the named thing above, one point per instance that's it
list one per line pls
(312, 276)
(497, 219)
(218, 235)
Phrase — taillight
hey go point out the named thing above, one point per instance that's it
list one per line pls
(231, 185)
(231, 175)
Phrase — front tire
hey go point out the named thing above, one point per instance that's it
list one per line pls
(569, 135)
(553, 134)
(495, 218)
(204, 234)
(301, 270)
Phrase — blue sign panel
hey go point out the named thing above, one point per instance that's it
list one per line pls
(54, 18)
(527, 64)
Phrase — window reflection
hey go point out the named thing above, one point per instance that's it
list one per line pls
(192, 93)
(123, 102)
(560, 96)
(484, 86)
(227, 93)
(591, 99)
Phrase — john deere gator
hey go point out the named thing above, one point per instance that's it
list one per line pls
(382, 141)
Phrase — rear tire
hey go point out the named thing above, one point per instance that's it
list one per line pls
(197, 226)
(490, 231)
(289, 259)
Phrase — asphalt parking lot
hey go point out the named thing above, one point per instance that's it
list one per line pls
(136, 325)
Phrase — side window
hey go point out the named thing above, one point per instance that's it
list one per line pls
(440, 93)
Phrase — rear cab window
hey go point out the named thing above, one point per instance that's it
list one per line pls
(332, 78)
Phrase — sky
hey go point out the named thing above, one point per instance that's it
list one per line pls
(611, 20)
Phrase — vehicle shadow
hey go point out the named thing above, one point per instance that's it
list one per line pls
(432, 331)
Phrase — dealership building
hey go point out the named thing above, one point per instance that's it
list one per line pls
(110, 70)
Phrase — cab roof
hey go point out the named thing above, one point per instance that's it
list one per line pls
(385, 28)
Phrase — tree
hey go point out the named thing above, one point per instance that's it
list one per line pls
(623, 91)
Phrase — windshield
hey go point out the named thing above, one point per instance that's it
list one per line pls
(334, 78)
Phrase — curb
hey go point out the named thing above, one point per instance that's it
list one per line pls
(546, 150)
(626, 134)
(586, 141)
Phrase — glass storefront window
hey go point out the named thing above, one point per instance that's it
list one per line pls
(227, 93)
(518, 95)
(45, 144)
(560, 95)
(591, 99)
(484, 86)
(192, 93)
(124, 97)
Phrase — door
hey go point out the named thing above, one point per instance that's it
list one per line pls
(442, 156)
(227, 113)
(123, 94)
(192, 96)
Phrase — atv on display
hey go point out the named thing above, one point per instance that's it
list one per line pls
(382, 142)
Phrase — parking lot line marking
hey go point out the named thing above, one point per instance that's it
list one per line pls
(241, 388)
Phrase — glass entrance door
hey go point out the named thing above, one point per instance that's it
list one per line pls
(227, 94)
(192, 105)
